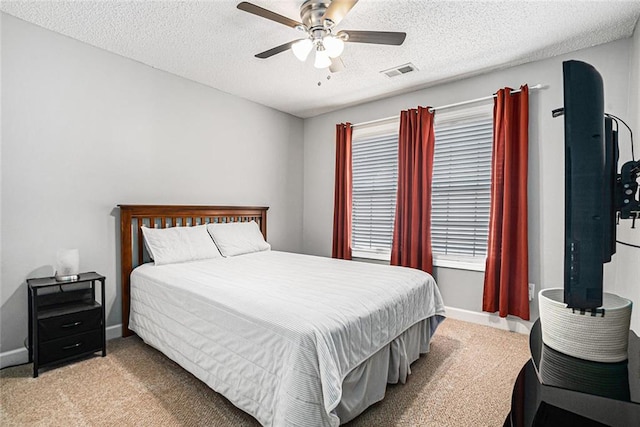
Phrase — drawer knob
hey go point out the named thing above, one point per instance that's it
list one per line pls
(69, 347)
(71, 325)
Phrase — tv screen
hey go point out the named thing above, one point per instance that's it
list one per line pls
(590, 175)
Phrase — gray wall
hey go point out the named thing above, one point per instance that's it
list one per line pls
(84, 130)
(463, 289)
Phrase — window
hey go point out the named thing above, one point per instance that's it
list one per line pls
(461, 188)
(375, 180)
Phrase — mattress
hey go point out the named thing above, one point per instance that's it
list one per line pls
(275, 332)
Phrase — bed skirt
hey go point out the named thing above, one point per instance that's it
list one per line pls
(366, 384)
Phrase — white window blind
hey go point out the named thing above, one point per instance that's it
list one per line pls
(462, 184)
(375, 180)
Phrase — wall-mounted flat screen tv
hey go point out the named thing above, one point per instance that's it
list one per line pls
(591, 161)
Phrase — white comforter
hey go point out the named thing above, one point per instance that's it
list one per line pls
(275, 332)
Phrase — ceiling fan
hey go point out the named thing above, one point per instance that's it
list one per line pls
(319, 19)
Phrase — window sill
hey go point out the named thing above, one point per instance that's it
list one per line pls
(459, 263)
(444, 261)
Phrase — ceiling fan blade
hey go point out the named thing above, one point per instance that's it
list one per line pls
(338, 9)
(336, 65)
(275, 50)
(377, 37)
(257, 10)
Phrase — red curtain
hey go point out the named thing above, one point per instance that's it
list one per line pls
(342, 195)
(506, 274)
(412, 229)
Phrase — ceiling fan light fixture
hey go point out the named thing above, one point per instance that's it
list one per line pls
(302, 48)
(319, 19)
(333, 45)
(322, 58)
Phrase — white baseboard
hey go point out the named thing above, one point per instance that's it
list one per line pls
(510, 323)
(20, 356)
(114, 331)
(14, 357)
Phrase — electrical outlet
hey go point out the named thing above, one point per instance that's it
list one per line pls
(532, 290)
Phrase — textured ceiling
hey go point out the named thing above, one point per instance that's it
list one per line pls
(212, 42)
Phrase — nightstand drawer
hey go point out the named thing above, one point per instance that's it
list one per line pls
(69, 324)
(62, 348)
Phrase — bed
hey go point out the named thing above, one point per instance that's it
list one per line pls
(293, 340)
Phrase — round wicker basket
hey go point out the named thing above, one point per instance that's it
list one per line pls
(600, 338)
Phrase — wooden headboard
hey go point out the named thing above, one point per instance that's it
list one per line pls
(132, 217)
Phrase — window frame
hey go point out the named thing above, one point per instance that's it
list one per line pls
(462, 262)
(379, 128)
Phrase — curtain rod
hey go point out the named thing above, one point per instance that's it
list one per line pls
(457, 104)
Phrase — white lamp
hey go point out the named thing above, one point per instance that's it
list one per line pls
(333, 45)
(301, 49)
(67, 265)
(322, 58)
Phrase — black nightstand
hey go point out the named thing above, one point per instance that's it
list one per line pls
(65, 320)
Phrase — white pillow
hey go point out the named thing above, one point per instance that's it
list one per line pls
(237, 238)
(179, 244)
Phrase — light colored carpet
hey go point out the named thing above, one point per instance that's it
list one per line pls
(466, 380)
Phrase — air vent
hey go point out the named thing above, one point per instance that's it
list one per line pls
(399, 70)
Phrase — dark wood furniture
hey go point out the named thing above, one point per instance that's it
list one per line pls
(554, 389)
(132, 217)
(65, 319)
